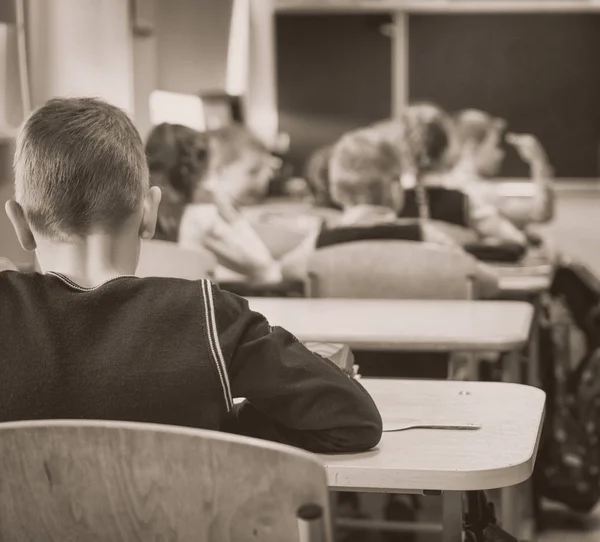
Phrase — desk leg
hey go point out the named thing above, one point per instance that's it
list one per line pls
(453, 513)
(510, 509)
(533, 363)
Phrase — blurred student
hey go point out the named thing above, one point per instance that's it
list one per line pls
(480, 156)
(364, 173)
(427, 127)
(193, 169)
(86, 339)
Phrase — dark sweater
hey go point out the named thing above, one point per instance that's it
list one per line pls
(170, 351)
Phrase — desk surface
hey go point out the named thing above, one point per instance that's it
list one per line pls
(500, 454)
(402, 324)
(524, 284)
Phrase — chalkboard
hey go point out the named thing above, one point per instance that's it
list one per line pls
(334, 74)
(541, 72)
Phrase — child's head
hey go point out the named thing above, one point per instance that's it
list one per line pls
(239, 164)
(187, 164)
(80, 172)
(178, 162)
(364, 169)
(479, 137)
(424, 137)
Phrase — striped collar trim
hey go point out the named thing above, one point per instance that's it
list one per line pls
(76, 286)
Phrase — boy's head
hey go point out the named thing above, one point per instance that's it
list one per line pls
(479, 137)
(364, 169)
(80, 170)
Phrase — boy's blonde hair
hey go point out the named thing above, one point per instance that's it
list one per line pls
(362, 167)
(80, 168)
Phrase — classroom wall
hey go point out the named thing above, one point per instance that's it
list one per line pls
(80, 47)
(192, 36)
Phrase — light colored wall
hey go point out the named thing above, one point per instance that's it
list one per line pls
(81, 48)
(192, 38)
(261, 100)
(188, 53)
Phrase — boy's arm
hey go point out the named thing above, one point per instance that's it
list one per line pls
(292, 395)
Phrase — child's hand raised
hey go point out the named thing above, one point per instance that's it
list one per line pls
(528, 146)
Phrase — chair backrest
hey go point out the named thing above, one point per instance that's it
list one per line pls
(445, 205)
(279, 239)
(166, 259)
(7, 265)
(390, 270)
(96, 480)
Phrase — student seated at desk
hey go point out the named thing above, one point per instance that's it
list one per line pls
(87, 339)
(364, 172)
(429, 126)
(480, 155)
(190, 167)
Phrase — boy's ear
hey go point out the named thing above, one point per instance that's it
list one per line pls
(17, 217)
(150, 213)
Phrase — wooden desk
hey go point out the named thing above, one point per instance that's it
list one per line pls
(523, 285)
(500, 454)
(403, 325)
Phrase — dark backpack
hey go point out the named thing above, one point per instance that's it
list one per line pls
(568, 467)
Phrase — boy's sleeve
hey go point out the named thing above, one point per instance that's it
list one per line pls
(291, 395)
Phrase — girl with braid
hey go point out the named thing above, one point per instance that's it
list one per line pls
(425, 124)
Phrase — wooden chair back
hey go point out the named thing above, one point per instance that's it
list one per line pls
(390, 270)
(7, 265)
(166, 259)
(279, 239)
(67, 480)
